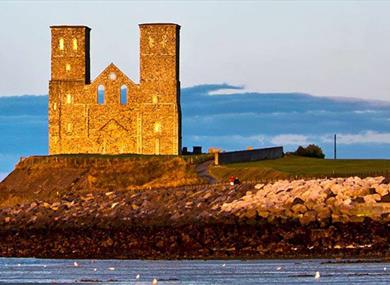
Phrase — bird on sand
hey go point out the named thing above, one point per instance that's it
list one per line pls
(317, 276)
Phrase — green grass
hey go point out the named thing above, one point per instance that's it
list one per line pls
(295, 166)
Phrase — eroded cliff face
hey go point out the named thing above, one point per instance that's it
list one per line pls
(337, 217)
(49, 178)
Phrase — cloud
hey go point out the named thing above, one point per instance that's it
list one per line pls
(229, 91)
(367, 137)
(365, 111)
(290, 139)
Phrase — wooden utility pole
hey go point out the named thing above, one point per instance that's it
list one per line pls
(334, 147)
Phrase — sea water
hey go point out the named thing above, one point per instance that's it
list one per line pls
(67, 271)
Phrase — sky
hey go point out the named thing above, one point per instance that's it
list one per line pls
(323, 48)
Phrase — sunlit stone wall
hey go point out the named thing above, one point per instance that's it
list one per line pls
(112, 114)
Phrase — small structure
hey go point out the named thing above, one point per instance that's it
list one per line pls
(197, 149)
(248, 155)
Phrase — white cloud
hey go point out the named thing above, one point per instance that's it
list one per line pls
(360, 138)
(366, 111)
(228, 91)
(290, 139)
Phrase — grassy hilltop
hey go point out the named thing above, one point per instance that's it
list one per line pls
(51, 177)
(296, 167)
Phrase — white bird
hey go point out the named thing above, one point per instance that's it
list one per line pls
(137, 277)
(75, 264)
(317, 276)
(384, 268)
(44, 266)
(19, 264)
(111, 268)
(154, 282)
(278, 268)
(95, 269)
(223, 265)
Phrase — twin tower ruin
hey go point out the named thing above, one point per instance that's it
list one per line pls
(112, 114)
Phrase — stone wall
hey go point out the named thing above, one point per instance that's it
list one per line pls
(248, 155)
(125, 117)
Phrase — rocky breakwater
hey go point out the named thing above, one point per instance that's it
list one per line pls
(325, 201)
(314, 218)
(333, 216)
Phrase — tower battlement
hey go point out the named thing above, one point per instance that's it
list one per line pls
(112, 114)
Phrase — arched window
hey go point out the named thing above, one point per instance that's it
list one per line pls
(74, 44)
(123, 94)
(61, 44)
(100, 95)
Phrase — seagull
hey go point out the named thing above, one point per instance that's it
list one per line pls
(278, 268)
(223, 265)
(137, 277)
(95, 269)
(384, 268)
(111, 268)
(317, 276)
(44, 266)
(154, 281)
(75, 264)
(19, 264)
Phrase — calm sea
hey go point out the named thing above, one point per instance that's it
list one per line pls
(65, 271)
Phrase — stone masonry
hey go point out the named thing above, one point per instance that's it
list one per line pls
(112, 114)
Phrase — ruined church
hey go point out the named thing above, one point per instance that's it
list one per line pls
(112, 114)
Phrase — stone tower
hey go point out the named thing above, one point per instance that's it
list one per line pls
(112, 114)
(160, 83)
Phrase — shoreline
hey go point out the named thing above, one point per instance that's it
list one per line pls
(90, 216)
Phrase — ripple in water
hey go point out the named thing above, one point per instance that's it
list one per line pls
(215, 272)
